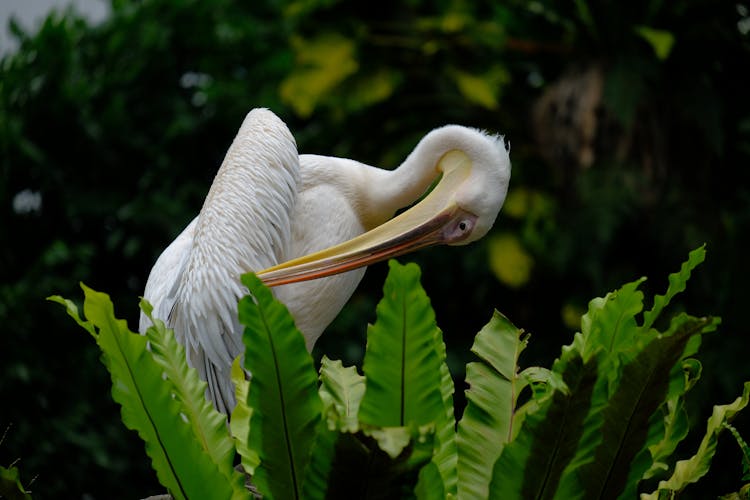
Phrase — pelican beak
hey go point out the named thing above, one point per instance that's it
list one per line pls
(437, 219)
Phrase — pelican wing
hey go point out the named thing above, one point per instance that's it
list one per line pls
(244, 226)
(161, 287)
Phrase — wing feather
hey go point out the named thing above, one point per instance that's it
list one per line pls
(161, 287)
(244, 225)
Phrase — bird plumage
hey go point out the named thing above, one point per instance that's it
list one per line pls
(267, 205)
(244, 225)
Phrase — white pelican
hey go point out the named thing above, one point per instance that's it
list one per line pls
(268, 205)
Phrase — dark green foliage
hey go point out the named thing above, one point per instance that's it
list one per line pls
(592, 441)
(589, 429)
(120, 128)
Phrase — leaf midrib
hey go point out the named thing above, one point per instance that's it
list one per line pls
(145, 409)
(285, 426)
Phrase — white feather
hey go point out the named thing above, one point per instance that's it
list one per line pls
(267, 205)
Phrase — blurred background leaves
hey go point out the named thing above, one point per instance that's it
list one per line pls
(629, 126)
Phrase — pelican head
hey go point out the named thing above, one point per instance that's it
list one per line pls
(473, 169)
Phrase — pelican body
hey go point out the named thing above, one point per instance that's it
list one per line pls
(309, 225)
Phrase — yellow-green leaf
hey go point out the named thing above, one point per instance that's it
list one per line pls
(509, 261)
(527, 203)
(341, 388)
(476, 89)
(571, 315)
(391, 440)
(691, 470)
(372, 88)
(661, 41)
(484, 89)
(239, 424)
(321, 64)
(10, 484)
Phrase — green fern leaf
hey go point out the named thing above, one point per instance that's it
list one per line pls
(445, 458)
(677, 283)
(744, 448)
(532, 464)
(487, 423)
(283, 392)
(617, 427)
(11, 486)
(401, 366)
(691, 470)
(209, 426)
(407, 378)
(148, 403)
(341, 389)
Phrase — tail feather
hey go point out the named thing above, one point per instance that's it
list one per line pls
(220, 390)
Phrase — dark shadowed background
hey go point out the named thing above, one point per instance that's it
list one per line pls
(629, 126)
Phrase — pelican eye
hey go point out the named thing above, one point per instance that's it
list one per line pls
(459, 229)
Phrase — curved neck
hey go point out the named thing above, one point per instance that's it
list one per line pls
(391, 190)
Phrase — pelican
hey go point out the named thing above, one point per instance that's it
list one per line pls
(309, 225)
